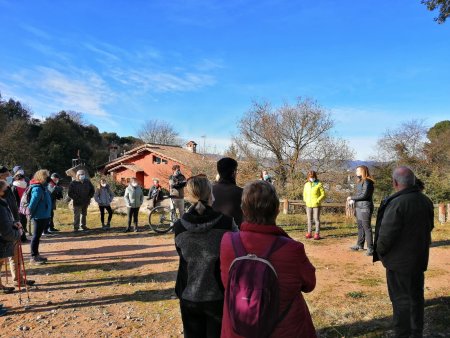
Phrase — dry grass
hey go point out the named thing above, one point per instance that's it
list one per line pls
(350, 299)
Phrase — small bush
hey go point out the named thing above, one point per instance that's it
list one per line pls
(356, 294)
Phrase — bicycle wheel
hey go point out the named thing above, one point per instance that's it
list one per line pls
(160, 219)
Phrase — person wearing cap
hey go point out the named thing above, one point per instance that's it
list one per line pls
(80, 191)
(177, 182)
(227, 195)
(56, 193)
(154, 194)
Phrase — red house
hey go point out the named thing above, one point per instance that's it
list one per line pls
(150, 161)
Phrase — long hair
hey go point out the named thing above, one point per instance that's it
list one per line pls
(365, 174)
(311, 174)
(41, 175)
(198, 191)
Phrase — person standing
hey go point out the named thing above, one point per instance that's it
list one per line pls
(56, 193)
(402, 243)
(266, 177)
(154, 194)
(197, 240)
(134, 197)
(313, 195)
(104, 197)
(227, 195)
(40, 212)
(18, 188)
(259, 235)
(81, 191)
(177, 182)
(10, 232)
(364, 209)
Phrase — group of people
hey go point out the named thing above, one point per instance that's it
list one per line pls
(230, 248)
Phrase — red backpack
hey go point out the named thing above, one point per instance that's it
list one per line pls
(253, 291)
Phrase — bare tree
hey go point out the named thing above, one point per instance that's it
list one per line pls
(404, 144)
(159, 132)
(288, 135)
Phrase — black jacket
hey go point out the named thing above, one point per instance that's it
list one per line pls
(176, 185)
(10, 198)
(364, 192)
(227, 199)
(8, 232)
(197, 240)
(81, 192)
(403, 231)
(56, 194)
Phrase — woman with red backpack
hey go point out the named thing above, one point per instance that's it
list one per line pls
(263, 257)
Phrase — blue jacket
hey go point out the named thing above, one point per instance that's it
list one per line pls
(40, 202)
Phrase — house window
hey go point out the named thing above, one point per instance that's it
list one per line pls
(156, 160)
(164, 161)
(123, 180)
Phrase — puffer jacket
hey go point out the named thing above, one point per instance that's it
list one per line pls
(197, 240)
(104, 196)
(81, 192)
(134, 196)
(40, 202)
(313, 194)
(295, 275)
(9, 234)
(364, 194)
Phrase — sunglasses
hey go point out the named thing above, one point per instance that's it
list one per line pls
(199, 176)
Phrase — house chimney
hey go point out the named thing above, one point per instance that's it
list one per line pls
(192, 147)
(113, 152)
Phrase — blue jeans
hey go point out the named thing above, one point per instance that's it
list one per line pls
(39, 225)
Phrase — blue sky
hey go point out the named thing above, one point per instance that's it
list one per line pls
(198, 64)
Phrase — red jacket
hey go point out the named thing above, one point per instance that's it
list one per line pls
(295, 275)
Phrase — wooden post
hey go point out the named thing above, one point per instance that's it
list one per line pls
(285, 206)
(448, 212)
(442, 215)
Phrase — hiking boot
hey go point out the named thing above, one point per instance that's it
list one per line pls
(136, 229)
(48, 234)
(42, 257)
(128, 229)
(37, 260)
(308, 235)
(30, 282)
(85, 228)
(3, 312)
(369, 252)
(6, 289)
(317, 237)
(53, 230)
(356, 248)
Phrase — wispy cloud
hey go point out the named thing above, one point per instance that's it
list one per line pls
(37, 32)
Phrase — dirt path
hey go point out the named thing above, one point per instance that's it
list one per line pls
(114, 284)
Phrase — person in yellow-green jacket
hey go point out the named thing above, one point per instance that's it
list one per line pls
(313, 195)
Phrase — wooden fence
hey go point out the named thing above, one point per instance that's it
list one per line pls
(289, 208)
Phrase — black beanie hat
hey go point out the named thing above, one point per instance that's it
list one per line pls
(226, 167)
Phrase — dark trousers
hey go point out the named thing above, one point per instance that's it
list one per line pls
(51, 224)
(133, 213)
(406, 294)
(363, 217)
(23, 220)
(201, 320)
(102, 214)
(39, 225)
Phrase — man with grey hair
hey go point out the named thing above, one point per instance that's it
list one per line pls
(402, 243)
(81, 191)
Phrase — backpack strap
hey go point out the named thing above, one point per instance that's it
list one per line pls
(276, 244)
(239, 249)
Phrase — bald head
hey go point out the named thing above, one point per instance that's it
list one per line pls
(403, 178)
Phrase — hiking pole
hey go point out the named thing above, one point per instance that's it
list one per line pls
(19, 277)
(22, 263)
(6, 270)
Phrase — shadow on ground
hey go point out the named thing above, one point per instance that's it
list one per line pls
(437, 312)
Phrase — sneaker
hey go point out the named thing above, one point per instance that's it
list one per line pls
(317, 237)
(127, 230)
(3, 312)
(308, 235)
(53, 230)
(43, 258)
(356, 248)
(136, 229)
(37, 260)
(76, 229)
(369, 252)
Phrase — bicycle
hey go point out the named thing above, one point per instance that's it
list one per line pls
(161, 218)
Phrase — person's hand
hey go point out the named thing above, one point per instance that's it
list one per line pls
(349, 198)
(18, 225)
(20, 232)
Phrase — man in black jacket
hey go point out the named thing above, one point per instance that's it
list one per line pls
(402, 243)
(227, 195)
(80, 191)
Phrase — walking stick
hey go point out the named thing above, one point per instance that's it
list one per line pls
(19, 277)
(22, 264)
(6, 270)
